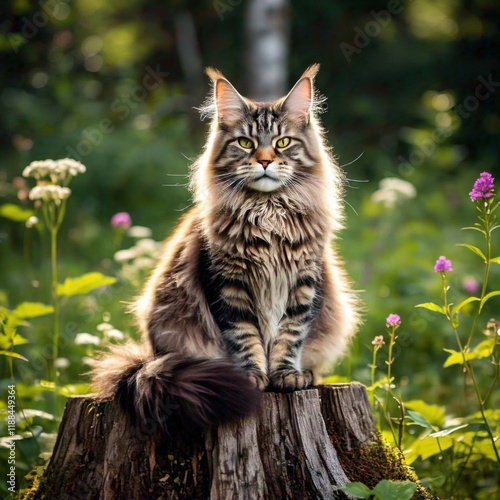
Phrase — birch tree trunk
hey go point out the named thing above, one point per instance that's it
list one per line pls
(267, 30)
(301, 445)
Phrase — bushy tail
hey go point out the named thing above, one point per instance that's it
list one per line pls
(173, 387)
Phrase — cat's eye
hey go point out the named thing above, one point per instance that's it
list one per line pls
(283, 142)
(245, 143)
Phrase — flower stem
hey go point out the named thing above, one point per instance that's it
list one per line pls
(389, 362)
(487, 235)
(55, 302)
(468, 366)
(373, 367)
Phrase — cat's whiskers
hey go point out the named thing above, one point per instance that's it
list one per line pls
(353, 161)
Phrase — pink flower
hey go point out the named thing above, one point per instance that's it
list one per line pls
(470, 284)
(483, 187)
(121, 220)
(443, 265)
(393, 320)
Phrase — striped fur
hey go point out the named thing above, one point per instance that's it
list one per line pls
(250, 281)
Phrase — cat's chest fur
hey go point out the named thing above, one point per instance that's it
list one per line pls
(268, 251)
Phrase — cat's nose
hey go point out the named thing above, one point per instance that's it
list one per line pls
(264, 163)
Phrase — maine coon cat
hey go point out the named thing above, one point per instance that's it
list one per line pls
(250, 294)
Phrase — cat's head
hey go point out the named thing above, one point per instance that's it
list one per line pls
(263, 148)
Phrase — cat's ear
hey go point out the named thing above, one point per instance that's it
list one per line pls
(230, 105)
(299, 101)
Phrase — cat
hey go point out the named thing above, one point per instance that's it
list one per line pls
(250, 294)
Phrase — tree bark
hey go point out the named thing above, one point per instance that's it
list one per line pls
(303, 445)
(267, 26)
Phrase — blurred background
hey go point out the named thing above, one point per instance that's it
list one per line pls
(412, 115)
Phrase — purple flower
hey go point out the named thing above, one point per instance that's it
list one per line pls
(393, 320)
(483, 187)
(121, 220)
(443, 265)
(470, 284)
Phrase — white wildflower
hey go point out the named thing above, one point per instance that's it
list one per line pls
(393, 190)
(139, 232)
(39, 169)
(70, 166)
(144, 263)
(104, 327)
(60, 168)
(114, 334)
(124, 255)
(49, 192)
(86, 339)
(148, 246)
(404, 188)
(32, 221)
(61, 363)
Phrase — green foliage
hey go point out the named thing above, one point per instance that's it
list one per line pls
(84, 284)
(384, 490)
(482, 350)
(468, 442)
(31, 310)
(15, 212)
(433, 307)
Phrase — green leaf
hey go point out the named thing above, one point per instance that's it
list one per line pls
(70, 390)
(15, 212)
(32, 310)
(474, 229)
(427, 447)
(357, 490)
(382, 382)
(394, 490)
(29, 413)
(483, 350)
(419, 419)
(433, 307)
(434, 446)
(18, 340)
(447, 432)
(488, 297)
(455, 358)
(473, 249)
(84, 284)
(336, 379)
(434, 414)
(11, 354)
(462, 304)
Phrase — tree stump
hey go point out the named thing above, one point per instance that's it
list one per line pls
(298, 445)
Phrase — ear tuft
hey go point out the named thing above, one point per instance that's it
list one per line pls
(300, 100)
(311, 71)
(230, 105)
(214, 74)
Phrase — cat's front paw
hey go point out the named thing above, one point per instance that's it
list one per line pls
(289, 379)
(259, 380)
